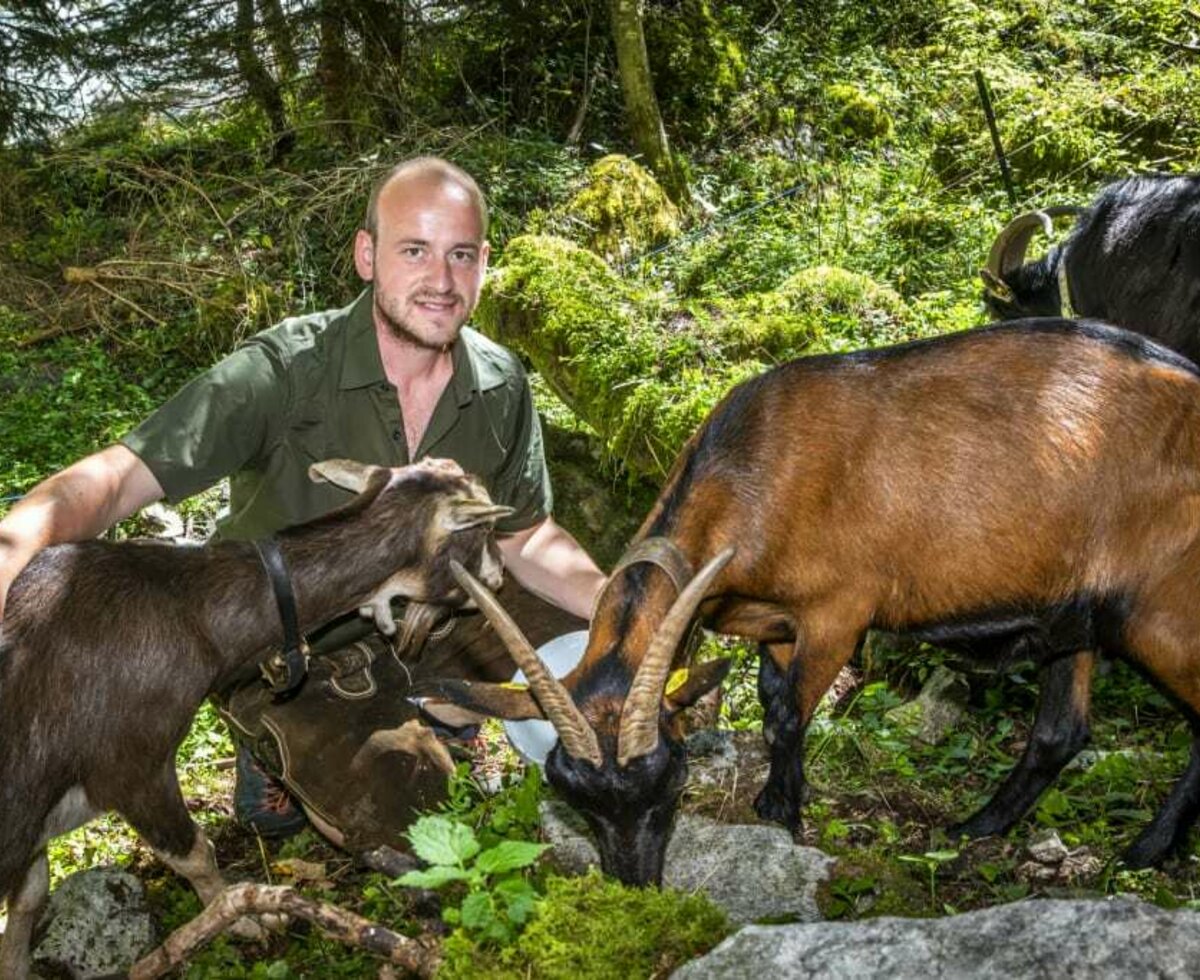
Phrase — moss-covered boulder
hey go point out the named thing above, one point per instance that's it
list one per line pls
(855, 115)
(620, 211)
(816, 310)
(644, 376)
(576, 320)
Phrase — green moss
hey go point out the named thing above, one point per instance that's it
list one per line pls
(816, 310)
(591, 927)
(855, 115)
(661, 415)
(576, 321)
(620, 211)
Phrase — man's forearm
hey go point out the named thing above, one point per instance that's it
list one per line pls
(549, 562)
(74, 504)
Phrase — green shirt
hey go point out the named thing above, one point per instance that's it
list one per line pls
(313, 388)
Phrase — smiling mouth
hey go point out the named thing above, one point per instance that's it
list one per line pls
(440, 305)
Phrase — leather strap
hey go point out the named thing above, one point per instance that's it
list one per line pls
(285, 670)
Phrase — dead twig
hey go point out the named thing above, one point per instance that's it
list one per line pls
(419, 957)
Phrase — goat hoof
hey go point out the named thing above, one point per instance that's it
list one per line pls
(1145, 853)
(770, 804)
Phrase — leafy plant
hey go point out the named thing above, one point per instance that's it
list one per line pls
(499, 901)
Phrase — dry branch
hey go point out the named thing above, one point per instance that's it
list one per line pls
(418, 957)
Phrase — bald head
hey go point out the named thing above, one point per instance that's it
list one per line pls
(423, 175)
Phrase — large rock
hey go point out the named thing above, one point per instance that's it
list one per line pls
(1035, 939)
(751, 871)
(96, 925)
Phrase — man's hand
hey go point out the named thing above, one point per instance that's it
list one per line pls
(549, 562)
(74, 504)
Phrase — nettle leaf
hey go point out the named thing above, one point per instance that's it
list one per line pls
(508, 856)
(439, 840)
(434, 877)
(477, 911)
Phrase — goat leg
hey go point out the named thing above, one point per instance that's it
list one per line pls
(781, 797)
(1168, 830)
(24, 907)
(1060, 730)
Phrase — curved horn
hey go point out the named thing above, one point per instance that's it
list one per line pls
(639, 717)
(577, 735)
(1008, 251)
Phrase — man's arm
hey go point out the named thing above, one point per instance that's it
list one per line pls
(549, 562)
(74, 504)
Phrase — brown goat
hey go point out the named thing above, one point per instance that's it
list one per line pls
(107, 650)
(1036, 480)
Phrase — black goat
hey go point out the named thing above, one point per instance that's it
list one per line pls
(1133, 259)
(107, 650)
(1030, 479)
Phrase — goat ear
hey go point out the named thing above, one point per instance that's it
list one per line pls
(471, 512)
(344, 473)
(512, 702)
(686, 687)
(996, 286)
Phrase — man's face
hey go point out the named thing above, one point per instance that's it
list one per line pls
(427, 261)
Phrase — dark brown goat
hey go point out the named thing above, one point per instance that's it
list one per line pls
(1038, 479)
(107, 650)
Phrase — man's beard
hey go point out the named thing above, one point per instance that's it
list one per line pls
(402, 331)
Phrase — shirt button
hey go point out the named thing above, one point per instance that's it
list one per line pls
(383, 386)
(397, 434)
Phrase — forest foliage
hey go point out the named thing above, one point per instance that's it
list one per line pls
(176, 176)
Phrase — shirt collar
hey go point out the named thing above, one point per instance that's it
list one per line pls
(474, 369)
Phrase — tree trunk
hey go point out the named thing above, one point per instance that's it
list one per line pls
(384, 30)
(263, 89)
(276, 27)
(637, 85)
(333, 70)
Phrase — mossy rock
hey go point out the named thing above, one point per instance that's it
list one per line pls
(855, 115)
(591, 928)
(816, 310)
(576, 320)
(620, 211)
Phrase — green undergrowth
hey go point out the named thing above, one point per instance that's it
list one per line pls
(591, 927)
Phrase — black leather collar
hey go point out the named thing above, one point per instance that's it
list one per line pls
(284, 670)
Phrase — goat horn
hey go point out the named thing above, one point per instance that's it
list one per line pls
(639, 717)
(577, 735)
(1008, 251)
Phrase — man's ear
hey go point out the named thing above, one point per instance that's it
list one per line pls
(512, 702)
(347, 474)
(364, 255)
(468, 512)
(686, 687)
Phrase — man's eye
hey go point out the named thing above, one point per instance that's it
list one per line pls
(413, 251)
(463, 256)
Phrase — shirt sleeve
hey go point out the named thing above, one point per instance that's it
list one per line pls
(218, 423)
(523, 482)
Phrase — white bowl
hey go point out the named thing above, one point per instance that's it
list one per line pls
(534, 739)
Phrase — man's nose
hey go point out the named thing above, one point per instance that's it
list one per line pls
(441, 276)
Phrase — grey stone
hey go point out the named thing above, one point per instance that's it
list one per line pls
(940, 706)
(1055, 940)
(1046, 847)
(96, 925)
(752, 871)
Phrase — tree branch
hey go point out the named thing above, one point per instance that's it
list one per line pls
(418, 957)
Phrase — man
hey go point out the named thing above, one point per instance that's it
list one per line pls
(390, 379)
